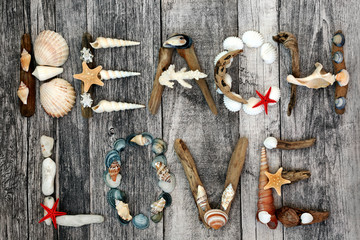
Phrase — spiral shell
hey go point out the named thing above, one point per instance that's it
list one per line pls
(162, 172)
(143, 139)
(159, 158)
(23, 92)
(227, 196)
(123, 210)
(57, 97)
(274, 94)
(25, 60)
(220, 55)
(168, 187)
(201, 197)
(270, 142)
(248, 108)
(253, 39)
(44, 73)
(216, 218)
(231, 105)
(102, 42)
(268, 53)
(338, 57)
(343, 77)
(227, 80)
(50, 49)
(340, 103)
(233, 43)
(113, 74)
(107, 106)
(158, 206)
(114, 170)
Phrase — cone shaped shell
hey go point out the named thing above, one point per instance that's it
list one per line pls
(163, 172)
(201, 197)
(57, 97)
(102, 42)
(23, 93)
(227, 197)
(25, 60)
(44, 73)
(216, 218)
(107, 106)
(158, 206)
(123, 210)
(110, 74)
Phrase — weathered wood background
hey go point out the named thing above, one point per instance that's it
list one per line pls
(81, 144)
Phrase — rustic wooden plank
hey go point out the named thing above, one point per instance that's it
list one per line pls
(186, 115)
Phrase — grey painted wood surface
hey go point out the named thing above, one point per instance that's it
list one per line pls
(82, 144)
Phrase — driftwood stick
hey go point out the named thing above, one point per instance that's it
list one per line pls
(29, 109)
(235, 166)
(287, 145)
(190, 57)
(291, 217)
(289, 41)
(295, 175)
(191, 173)
(165, 56)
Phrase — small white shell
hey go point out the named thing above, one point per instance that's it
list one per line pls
(44, 73)
(264, 217)
(270, 142)
(227, 80)
(253, 39)
(220, 55)
(274, 94)
(306, 218)
(248, 108)
(232, 105)
(102, 42)
(25, 60)
(268, 53)
(113, 74)
(233, 43)
(47, 144)
(23, 92)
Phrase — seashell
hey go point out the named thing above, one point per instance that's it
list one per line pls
(44, 72)
(248, 108)
(231, 105)
(178, 41)
(268, 53)
(141, 221)
(102, 42)
(50, 49)
(111, 74)
(340, 103)
(123, 210)
(122, 221)
(48, 176)
(318, 79)
(114, 170)
(233, 43)
(157, 217)
(78, 220)
(163, 172)
(158, 206)
(201, 197)
(86, 55)
(167, 197)
(49, 202)
(253, 39)
(306, 218)
(159, 158)
(227, 196)
(143, 139)
(216, 218)
(109, 182)
(57, 97)
(266, 209)
(115, 194)
(112, 156)
(274, 94)
(168, 186)
(338, 39)
(25, 61)
(338, 57)
(220, 55)
(23, 92)
(270, 142)
(86, 100)
(119, 145)
(107, 106)
(47, 144)
(159, 146)
(342, 77)
(227, 80)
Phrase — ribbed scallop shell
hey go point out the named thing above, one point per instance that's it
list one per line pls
(158, 206)
(57, 97)
(274, 94)
(227, 80)
(270, 142)
(50, 49)
(216, 218)
(233, 43)
(268, 53)
(220, 55)
(232, 105)
(253, 39)
(248, 108)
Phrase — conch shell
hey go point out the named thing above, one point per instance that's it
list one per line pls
(106, 106)
(318, 79)
(163, 172)
(140, 140)
(123, 210)
(201, 197)
(23, 92)
(102, 42)
(227, 197)
(112, 74)
(25, 60)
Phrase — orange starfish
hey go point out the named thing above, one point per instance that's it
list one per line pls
(89, 76)
(276, 181)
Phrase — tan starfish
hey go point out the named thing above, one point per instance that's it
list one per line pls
(89, 76)
(276, 181)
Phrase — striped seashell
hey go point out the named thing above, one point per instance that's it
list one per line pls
(227, 196)
(44, 73)
(102, 42)
(113, 74)
(114, 170)
(158, 206)
(201, 197)
(23, 92)
(141, 140)
(216, 218)
(25, 60)
(107, 106)
(123, 210)
(163, 172)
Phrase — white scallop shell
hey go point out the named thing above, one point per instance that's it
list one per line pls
(220, 55)
(227, 80)
(50, 49)
(268, 53)
(233, 43)
(253, 39)
(274, 94)
(57, 97)
(44, 72)
(248, 108)
(232, 105)
(270, 142)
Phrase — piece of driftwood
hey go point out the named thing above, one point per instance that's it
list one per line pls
(295, 175)
(289, 41)
(165, 56)
(340, 91)
(219, 73)
(291, 217)
(190, 57)
(27, 110)
(287, 145)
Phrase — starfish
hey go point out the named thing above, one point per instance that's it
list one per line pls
(264, 100)
(89, 76)
(52, 213)
(276, 181)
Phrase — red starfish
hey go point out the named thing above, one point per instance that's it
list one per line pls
(265, 100)
(52, 213)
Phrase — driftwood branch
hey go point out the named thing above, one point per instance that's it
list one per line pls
(287, 145)
(290, 217)
(295, 175)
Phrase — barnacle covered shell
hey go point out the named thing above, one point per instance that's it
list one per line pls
(44, 72)
(233, 43)
(343, 77)
(113, 195)
(141, 221)
(268, 53)
(159, 158)
(159, 146)
(123, 210)
(102, 42)
(23, 92)
(274, 94)
(109, 182)
(57, 97)
(231, 105)
(47, 144)
(227, 196)
(163, 172)
(158, 206)
(216, 218)
(248, 108)
(201, 197)
(25, 60)
(253, 39)
(220, 55)
(227, 80)
(168, 186)
(270, 142)
(50, 49)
